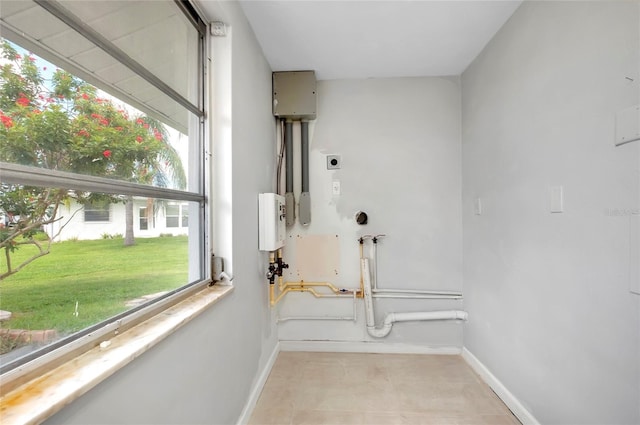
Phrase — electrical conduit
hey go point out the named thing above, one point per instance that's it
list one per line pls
(391, 318)
(304, 209)
(289, 199)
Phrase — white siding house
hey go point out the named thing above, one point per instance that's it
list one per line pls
(102, 221)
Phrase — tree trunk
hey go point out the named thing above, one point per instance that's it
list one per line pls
(128, 233)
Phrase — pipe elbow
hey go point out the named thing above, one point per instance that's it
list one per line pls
(379, 332)
(383, 330)
(389, 320)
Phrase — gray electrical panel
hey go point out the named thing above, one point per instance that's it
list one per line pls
(294, 95)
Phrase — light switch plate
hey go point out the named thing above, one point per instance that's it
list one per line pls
(556, 199)
(477, 206)
(335, 188)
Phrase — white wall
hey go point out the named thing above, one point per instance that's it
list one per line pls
(548, 296)
(205, 371)
(399, 141)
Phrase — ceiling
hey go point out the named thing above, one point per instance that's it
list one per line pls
(375, 39)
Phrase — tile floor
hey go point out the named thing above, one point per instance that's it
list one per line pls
(372, 389)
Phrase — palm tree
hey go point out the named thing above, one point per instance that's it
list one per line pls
(166, 171)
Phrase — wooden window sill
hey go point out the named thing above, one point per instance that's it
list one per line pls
(42, 397)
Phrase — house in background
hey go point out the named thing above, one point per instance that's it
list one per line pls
(151, 218)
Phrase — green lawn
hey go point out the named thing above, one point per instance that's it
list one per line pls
(100, 275)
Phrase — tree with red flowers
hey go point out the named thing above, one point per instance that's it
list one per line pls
(63, 124)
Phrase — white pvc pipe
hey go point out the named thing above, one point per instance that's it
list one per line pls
(368, 299)
(375, 266)
(419, 296)
(391, 318)
(287, 318)
(415, 291)
(411, 317)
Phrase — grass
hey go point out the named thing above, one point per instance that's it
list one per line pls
(100, 275)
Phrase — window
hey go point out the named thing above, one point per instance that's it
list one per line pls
(177, 215)
(173, 215)
(100, 116)
(144, 219)
(97, 211)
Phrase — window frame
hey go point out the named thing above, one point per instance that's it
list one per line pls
(143, 218)
(180, 217)
(97, 209)
(17, 372)
(168, 217)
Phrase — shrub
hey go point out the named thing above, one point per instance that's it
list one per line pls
(41, 236)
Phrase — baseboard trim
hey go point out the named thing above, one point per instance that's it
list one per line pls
(257, 388)
(365, 347)
(518, 409)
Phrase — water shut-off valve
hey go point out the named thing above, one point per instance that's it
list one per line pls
(276, 267)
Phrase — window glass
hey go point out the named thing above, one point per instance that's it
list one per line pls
(144, 220)
(97, 211)
(160, 38)
(154, 35)
(98, 167)
(172, 215)
(52, 119)
(88, 275)
(177, 215)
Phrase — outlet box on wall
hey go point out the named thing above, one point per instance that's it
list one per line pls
(333, 162)
(294, 94)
